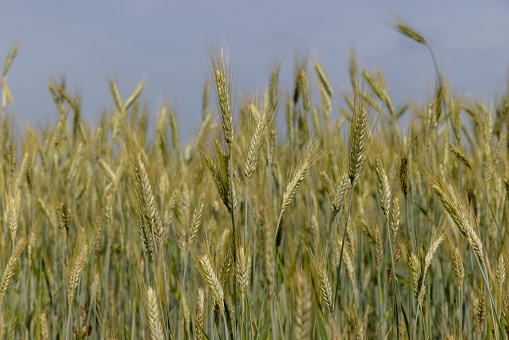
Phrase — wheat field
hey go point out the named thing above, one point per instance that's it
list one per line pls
(341, 223)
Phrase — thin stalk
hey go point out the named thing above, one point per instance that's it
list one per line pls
(393, 277)
(274, 299)
(338, 272)
(182, 290)
(492, 303)
(233, 229)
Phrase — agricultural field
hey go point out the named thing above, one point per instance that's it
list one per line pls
(341, 223)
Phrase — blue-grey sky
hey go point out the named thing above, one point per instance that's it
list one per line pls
(88, 41)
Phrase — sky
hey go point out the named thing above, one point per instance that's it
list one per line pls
(89, 42)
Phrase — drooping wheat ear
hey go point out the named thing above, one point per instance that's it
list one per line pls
(460, 212)
(460, 155)
(243, 270)
(377, 83)
(259, 137)
(44, 326)
(197, 219)
(208, 274)
(383, 188)
(323, 80)
(501, 272)
(303, 308)
(359, 134)
(408, 31)
(200, 315)
(76, 271)
(154, 321)
(307, 161)
(10, 268)
(319, 270)
(10, 57)
(220, 62)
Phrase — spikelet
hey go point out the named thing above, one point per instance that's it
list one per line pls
(383, 188)
(274, 95)
(259, 138)
(10, 268)
(460, 155)
(98, 143)
(149, 216)
(220, 62)
(436, 241)
(394, 221)
(320, 273)
(460, 212)
(358, 135)
(208, 274)
(12, 204)
(338, 199)
(501, 272)
(44, 326)
(154, 321)
(306, 90)
(408, 32)
(10, 57)
(205, 100)
(76, 272)
(303, 306)
(481, 308)
(403, 175)
(323, 80)
(397, 259)
(243, 269)
(457, 265)
(197, 219)
(174, 131)
(200, 315)
(310, 157)
(64, 217)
